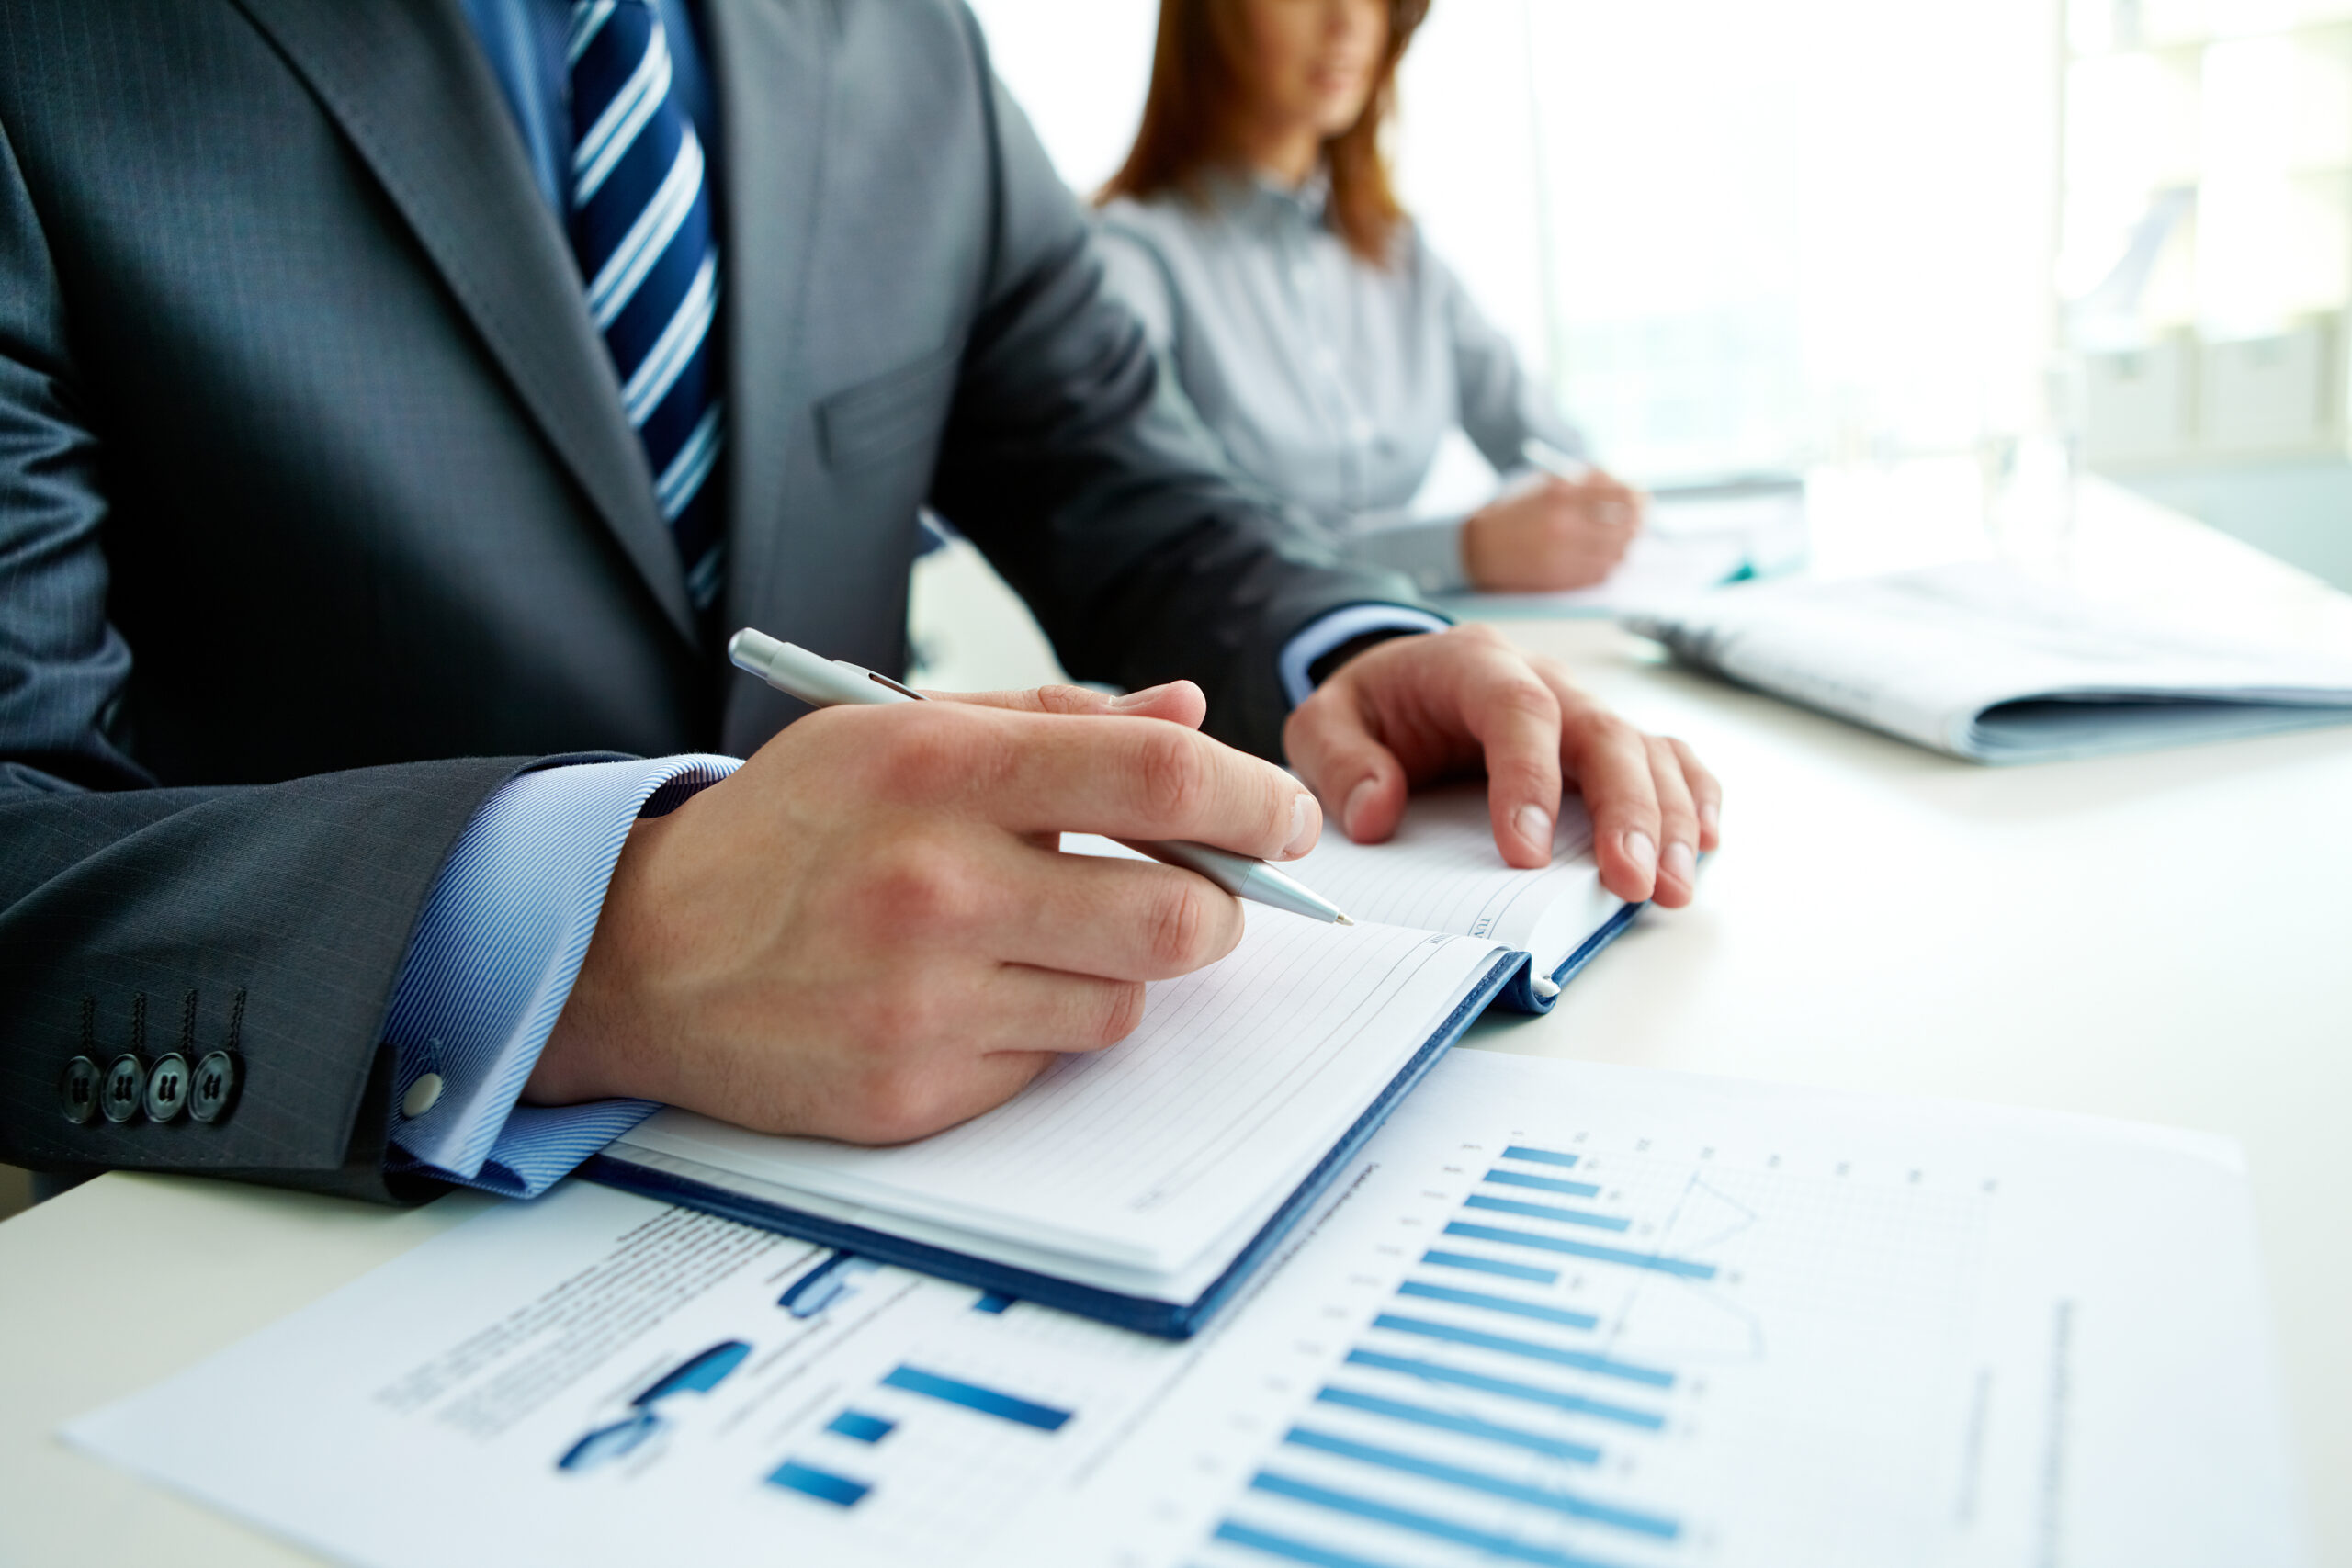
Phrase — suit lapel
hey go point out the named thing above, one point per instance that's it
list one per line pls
(769, 61)
(408, 88)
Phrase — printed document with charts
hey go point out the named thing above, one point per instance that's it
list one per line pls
(1556, 1314)
(1985, 662)
(1143, 1184)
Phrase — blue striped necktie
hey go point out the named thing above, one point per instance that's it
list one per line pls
(641, 232)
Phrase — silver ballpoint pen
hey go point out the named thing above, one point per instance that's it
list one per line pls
(831, 682)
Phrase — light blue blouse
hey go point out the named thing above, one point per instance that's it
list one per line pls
(1330, 381)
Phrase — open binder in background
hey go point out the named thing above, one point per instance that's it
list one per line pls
(1982, 661)
(1143, 1185)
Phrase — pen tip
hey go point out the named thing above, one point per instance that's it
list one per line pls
(1344, 921)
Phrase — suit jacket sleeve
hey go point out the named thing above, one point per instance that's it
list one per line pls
(1093, 489)
(266, 922)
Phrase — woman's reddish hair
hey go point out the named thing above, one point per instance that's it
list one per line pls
(1192, 111)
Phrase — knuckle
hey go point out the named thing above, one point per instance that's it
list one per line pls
(925, 746)
(1533, 776)
(923, 888)
(1605, 728)
(1177, 939)
(1122, 1010)
(1524, 696)
(1171, 773)
(1068, 700)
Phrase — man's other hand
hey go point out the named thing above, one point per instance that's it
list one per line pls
(869, 932)
(1413, 710)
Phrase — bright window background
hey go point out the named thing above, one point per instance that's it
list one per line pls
(1731, 235)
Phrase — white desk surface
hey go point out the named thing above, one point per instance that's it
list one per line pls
(2162, 937)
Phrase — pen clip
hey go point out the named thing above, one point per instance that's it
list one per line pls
(881, 680)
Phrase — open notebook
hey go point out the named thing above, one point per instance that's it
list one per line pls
(1982, 661)
(1142, 1184)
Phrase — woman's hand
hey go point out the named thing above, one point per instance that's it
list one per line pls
(1559, 533)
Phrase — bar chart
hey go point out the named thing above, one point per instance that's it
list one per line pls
(1589, 1335)
(863, 1427)
(918, 1439)
(1478, 1399)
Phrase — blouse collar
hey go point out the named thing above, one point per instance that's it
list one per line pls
(1307, 203)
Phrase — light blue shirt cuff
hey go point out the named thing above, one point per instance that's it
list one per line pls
(1327, 632)
(495, 954)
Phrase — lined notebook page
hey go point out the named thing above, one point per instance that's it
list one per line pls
(1240, 1078)
(1442, 872)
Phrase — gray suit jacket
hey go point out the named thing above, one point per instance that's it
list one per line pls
(319, 516)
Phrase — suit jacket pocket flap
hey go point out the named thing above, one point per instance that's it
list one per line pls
(883, 416)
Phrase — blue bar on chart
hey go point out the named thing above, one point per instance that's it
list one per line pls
(1464, 1425)
(821, 1485)
(1565, 1502)
(1515, 1308)
(1547, 1212)
(1290, 1549)
(1509, 1388)
(1491, 1266)
(1502, 1178)
(1276, 1485)
(1538, 1157)
(1478, 1339)
(1664, 1265)
(971, 1396)
(858, 1425)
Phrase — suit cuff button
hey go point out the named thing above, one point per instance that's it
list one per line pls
(125, 1089)
(213, 1088)
(167, 1087)
(78, 1091)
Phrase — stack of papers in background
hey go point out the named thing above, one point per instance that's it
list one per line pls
(1982, 661)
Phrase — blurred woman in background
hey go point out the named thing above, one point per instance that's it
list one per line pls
(1254, 229)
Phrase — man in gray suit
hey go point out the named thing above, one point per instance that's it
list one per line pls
(401, 399)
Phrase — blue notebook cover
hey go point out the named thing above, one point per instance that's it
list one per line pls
(1509, 983)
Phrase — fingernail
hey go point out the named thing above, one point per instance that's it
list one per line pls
(1711, 820)
(1303, 825)
(1359, 798)
(1642, 850)
(1142, 699)
(1534, 825)
(1680, 864)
